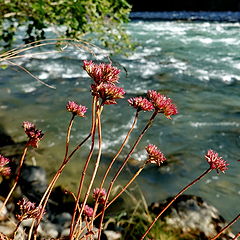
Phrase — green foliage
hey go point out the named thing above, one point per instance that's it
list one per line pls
(72, 19)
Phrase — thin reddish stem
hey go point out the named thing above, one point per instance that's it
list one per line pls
(237, 236)
(48, 191)
(93, 129)
(96, 165)
(171, 202)
(123, 189)
(127, 185)
(226, 227)
(66, 159)
(114, 159)
(120, 149)
(16, 179)
(149, 123)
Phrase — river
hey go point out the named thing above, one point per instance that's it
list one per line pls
(197, 64)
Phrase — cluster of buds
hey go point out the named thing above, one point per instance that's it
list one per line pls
(215, 161)
(28, 210)
(105, 77)
(76, 109)
(99, 195)
(141, 104)
(162, 104)
(33, 134)
(87, 211)
(4, 171)
(154, 155)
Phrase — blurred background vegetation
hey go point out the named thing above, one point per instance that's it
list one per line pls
(68, 19)
(99, 19)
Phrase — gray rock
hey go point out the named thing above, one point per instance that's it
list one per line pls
(112, 235)
(33, 182)
(4, 211)
(192, 215)
(63, 219)
(50, 230)
(65, 232)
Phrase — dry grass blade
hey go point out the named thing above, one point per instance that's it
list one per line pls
(20, 51)
(24, 69)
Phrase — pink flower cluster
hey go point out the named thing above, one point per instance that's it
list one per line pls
(28, 210)
(76, 109)
(141, 104)
(105, 77)
(100, 195)
(101, 73)
(155, 155)
(108, 92)
(4, 171)
(88, 211)
(162, 104)
(215, 161)
(33, 134)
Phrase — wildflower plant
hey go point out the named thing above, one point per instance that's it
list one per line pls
(104, 91)
(4, 170)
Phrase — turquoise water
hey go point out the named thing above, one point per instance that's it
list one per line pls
(197, 64)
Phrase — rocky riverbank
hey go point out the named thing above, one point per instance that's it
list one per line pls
(190, 216)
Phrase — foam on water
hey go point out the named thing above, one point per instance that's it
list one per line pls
(210, 124)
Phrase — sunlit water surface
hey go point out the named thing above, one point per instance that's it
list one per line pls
(196, 64)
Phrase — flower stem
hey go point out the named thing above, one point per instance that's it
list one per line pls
(123, 189)
(66, 159)
(93, 129)
(113, 160)
(120, 149)
(171, 202)
(127, 185)
(226, 227)
(149, 123)
(96, 164)
(16, 179)
(237, 236)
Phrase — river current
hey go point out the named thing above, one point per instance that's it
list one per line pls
(197, 64)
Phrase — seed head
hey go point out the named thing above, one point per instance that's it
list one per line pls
(216, 162)
(155, 155)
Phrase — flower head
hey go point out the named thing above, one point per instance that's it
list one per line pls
(4, 171)
(101, 73)
(76, 109)
(141, 104)
(99, 194)
(155, 155)
(28, 210)
(33, 134)
(88, 211)
(162, 104)
(108, 92)
(215, 161)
